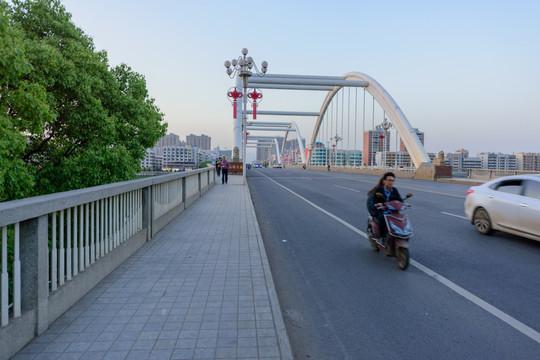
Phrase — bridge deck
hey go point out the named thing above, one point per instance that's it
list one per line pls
(202, 289)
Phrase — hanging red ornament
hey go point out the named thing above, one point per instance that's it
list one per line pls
(235, 95)
(254, 96)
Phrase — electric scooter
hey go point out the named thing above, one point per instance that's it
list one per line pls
(399, 231)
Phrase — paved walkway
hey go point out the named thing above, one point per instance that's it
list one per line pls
(202, 289)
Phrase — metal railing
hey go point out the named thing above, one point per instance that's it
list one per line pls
(50, 244)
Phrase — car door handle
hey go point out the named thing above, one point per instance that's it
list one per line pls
(491, 196)
(524, 205)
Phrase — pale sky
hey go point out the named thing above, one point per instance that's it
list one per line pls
(466, 73)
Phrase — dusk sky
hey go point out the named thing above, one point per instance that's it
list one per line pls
(466, 73)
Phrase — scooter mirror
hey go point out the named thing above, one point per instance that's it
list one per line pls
(378, 194)
(408, 196)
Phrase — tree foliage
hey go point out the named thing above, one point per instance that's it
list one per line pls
(71, 120)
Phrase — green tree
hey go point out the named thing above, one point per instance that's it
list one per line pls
(88, 124)
(205, 164)
(23, 110)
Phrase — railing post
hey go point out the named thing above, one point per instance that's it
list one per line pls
(35, 265)
(184, 192)
(200, 183)
(147, 211)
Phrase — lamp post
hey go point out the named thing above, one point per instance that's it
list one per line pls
(336, 139)
(385, 125)
(242, 67)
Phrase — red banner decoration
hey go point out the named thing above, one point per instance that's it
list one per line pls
(235, 95)
(254, 95)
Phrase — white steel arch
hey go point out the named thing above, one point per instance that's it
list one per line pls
(418, 154)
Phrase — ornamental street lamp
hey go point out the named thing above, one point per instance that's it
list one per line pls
(336, 139)
(385, 125)
(242, 67)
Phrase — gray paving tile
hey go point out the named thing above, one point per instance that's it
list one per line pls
(194, 292)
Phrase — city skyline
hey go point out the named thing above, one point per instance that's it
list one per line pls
(464, 73)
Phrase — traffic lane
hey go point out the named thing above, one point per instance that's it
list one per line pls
(505, 274)
(346, 280)
(501, 269)
(321, 189)
(403, 184)
(443, 243)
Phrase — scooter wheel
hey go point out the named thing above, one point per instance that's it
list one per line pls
(402, 258)
(373, 244)
(371, 241)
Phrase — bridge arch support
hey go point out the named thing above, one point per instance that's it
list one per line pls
(416, 150)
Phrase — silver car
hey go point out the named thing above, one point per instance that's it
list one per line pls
(510, 204)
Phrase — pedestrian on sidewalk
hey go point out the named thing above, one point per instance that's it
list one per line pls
(218, 166)
(225, 166)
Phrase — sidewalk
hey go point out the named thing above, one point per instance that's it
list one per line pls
(202, 289)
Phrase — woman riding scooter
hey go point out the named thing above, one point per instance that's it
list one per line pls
(383, 192)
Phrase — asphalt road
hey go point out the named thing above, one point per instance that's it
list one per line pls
(464, 296)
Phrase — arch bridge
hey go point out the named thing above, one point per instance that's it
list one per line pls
(329, 113)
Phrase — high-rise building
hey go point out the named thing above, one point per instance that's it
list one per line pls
(202, 141)
(420, 135)
(374, 142)
(168, 140)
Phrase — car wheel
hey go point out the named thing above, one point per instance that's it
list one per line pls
(481, 221)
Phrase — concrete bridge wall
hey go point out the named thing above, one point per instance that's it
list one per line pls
(135, 211)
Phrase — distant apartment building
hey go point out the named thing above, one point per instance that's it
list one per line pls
(151, 161)
(497, 161)
(354, 158)
(461, 160)
(457, 158)
(180, 157)
(400, 159)
(319, 155)
(373, 143)
(420, 135)
(169, 140)
(200, 141)
(528, 161)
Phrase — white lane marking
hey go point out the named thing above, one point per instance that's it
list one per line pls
(524, 329)
(360, 232)
(458, 216)
(516, 324)
(346, 188)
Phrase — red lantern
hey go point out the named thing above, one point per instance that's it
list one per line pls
(235, 95)
(254, 95)
(381, 137)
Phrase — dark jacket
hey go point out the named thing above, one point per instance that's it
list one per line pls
(373, 199)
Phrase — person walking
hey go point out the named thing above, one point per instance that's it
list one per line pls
(225, 166)
(218, 166)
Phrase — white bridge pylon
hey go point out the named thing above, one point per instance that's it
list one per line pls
(277, 126)
(332, 84)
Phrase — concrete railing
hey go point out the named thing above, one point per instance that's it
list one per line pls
(485, 174)
(55, 248)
